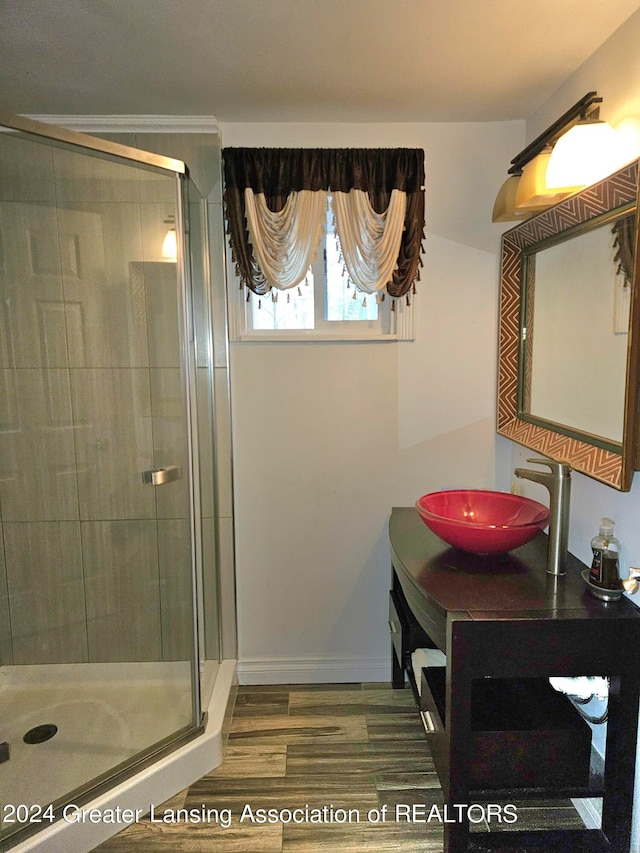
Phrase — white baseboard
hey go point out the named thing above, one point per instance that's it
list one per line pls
(313, 670)
(589, 812)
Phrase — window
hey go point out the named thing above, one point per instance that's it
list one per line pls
(280, 204)
(324, 306)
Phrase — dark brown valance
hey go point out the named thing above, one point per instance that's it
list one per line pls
(277, 172)
(624, 231)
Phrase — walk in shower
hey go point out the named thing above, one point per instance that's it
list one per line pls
(109, 614)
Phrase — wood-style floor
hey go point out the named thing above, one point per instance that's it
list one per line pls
(353, 747)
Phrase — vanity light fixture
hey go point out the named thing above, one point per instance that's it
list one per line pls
(170, 242)
(504, 207)
(585, 154)
(533, 192)
(515, 202)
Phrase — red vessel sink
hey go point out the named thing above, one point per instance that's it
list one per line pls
(482, 521)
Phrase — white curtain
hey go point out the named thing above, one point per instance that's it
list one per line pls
(285, 242)
(370, 241)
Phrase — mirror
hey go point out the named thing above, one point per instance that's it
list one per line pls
(575, 324)
(568, 327)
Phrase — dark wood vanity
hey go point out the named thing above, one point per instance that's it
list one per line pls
(495, 727)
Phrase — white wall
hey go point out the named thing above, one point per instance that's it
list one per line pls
(614, 72)
(311, 514)
(328, 437)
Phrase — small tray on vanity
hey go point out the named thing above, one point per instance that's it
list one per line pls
(598, 591)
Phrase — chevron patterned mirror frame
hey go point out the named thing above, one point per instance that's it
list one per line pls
(614, 468)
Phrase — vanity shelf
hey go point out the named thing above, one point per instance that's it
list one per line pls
(493, 723)
(523, 734)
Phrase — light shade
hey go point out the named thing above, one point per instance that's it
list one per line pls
(533, 193)
(585, 154)
(170, 245)
(504, 207)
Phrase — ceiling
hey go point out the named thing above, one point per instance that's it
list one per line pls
(296, 60)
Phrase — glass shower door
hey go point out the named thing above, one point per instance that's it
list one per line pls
(97, 529)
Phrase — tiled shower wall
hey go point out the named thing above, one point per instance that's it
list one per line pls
(202, 153)
(92, 561)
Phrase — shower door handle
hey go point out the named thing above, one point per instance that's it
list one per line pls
(160, 476)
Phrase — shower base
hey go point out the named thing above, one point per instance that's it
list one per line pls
(155, 784)
(103, 713)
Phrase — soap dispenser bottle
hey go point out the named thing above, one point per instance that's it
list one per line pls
(606, 555)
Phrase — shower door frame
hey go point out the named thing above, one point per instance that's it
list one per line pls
(186, 332)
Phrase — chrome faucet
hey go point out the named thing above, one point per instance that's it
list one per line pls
(558, 481)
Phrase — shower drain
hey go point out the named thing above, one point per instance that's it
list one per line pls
(39, 734)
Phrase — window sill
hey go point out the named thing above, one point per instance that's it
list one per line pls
(312, 337)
